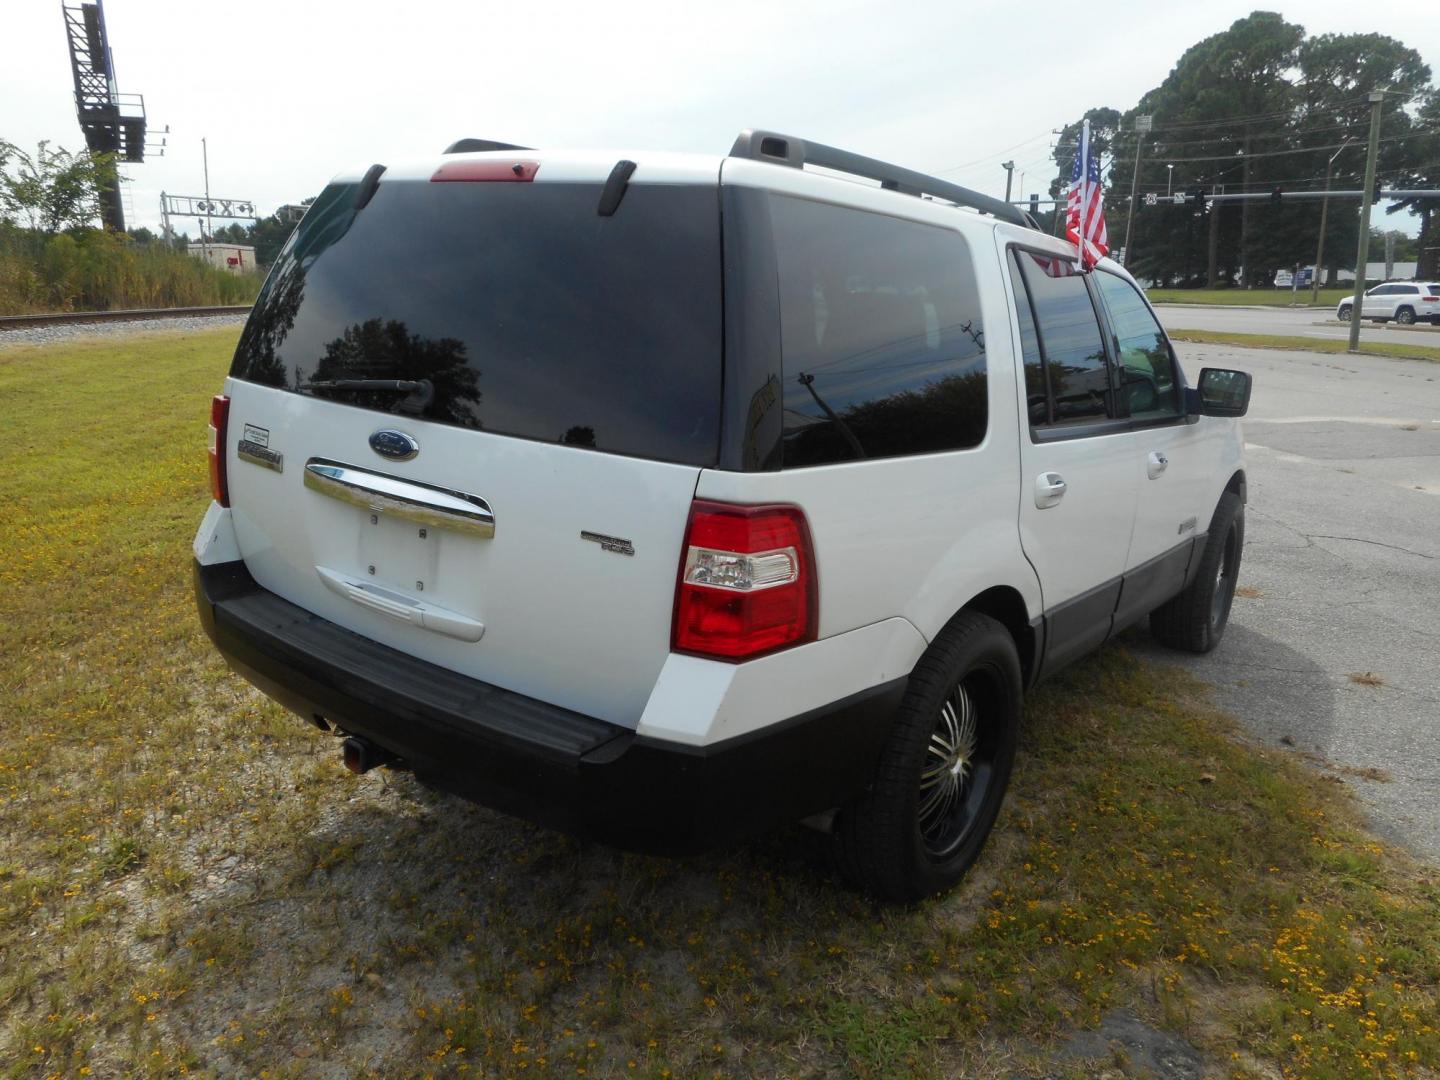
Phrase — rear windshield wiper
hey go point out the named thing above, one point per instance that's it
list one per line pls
(421, 391)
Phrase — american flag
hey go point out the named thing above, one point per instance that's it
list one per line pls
(1085, 207)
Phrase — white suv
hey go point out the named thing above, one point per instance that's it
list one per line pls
(1405, 302)
(673, 498)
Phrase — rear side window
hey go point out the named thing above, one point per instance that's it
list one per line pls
(1067, 378)
(525, 311)
(882, 343)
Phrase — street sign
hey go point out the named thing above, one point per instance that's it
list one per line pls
(1151, 198)
(1143, 123)
(1178, 200)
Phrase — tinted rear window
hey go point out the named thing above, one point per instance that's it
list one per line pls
(527, 312)
(884, 350)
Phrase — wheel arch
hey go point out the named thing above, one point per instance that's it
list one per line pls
(1237, 485)
(1006, 605)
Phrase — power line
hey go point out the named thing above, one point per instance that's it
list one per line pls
(999, 153)
(1294, 150)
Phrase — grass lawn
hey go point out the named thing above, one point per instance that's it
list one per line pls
(1308, 344)
(1267, 297)
(190, 882)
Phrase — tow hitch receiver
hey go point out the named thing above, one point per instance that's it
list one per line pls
(361, 755)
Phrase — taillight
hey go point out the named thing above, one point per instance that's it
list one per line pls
(219, 417)
(747, 581)
(1430, 299)
(492, 170)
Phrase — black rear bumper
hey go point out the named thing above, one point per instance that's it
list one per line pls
(539, 761)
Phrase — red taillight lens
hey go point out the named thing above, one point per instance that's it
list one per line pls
(492, 170)
(747, 581)
(1430, 299)
(219, 417)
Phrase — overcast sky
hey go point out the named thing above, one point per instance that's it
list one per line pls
(290, 93)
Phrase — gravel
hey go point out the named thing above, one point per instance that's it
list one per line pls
(49, 335)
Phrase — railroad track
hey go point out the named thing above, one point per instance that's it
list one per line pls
(61, 318)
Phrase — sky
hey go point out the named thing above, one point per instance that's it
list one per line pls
(289, 94)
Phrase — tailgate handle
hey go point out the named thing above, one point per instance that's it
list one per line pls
(437, 507)
(402, 607)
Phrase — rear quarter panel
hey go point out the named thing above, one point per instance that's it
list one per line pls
(914, 537)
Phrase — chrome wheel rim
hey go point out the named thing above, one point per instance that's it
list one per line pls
(955, 772)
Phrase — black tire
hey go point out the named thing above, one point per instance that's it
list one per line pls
(900, 841)
(1405, 316)
(1195, 620)
(1344, 314)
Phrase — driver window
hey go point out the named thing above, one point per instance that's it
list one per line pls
(1152, 384)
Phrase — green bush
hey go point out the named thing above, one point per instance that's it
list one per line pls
(95, 270)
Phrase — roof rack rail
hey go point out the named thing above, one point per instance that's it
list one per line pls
(473, 146)
(797, 153)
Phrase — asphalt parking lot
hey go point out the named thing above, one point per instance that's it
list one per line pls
(1293, 322)
(1334, 645)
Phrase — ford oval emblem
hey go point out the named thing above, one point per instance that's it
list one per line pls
(395, 445)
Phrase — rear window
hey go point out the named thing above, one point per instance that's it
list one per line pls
(525, 311)
(882, 341)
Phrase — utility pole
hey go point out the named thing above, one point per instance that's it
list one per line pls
(1212, 272)
(205, 247)
(1009, 167)
(1362, 248)
(1245, 216)
(1142, 127)
(1324, 213)
(1389, 254)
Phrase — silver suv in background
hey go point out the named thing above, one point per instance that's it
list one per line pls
(1405, 302)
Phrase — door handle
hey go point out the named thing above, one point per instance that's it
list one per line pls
(1155, 464)
(1049, 490)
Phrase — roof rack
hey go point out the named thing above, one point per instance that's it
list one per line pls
(473, 146)
(797, 153)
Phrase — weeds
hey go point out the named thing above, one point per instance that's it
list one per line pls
(94, 270)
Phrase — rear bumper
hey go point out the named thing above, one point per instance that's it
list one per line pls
(535, 760)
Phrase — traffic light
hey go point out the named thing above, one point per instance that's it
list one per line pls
(1375, 195)
(1196, 197)
(1276, 195)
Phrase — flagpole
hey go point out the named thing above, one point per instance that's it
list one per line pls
(1082, 180)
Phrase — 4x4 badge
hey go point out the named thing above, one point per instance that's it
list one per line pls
(395, 445)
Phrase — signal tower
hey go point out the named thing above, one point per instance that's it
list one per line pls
(112, 122)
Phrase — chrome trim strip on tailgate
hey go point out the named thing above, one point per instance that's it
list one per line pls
(440, 508)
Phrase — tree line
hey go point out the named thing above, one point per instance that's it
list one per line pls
(1258, 107)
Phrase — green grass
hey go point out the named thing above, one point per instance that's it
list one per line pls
(190, 882)
(1307, 344)
(1267, 297)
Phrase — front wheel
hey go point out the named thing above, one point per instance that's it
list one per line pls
(944, 769)
(1196, 619)
(1344, 314)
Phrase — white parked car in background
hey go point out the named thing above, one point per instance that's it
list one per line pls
(667, 499)
(1405, 302)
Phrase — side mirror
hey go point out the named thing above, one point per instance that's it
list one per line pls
(1222, 392)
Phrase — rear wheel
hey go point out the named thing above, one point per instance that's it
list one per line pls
(1196, 619)
(944, 770)
(1405, 316)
